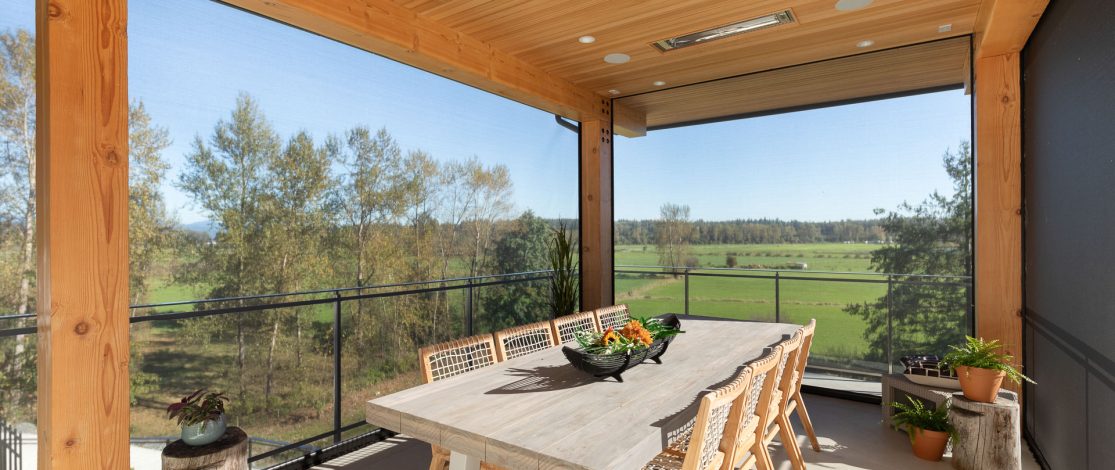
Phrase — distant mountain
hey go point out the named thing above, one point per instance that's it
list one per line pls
(203, 226)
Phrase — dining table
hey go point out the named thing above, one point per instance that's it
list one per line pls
(538, 412)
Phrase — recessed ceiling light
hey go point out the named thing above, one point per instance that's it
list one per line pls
(849, 5)
(613, 91)
(865, 43)
(944, 28)
(659, 83)
(586, 39)
(617, 58)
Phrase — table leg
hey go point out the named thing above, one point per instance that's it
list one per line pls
(459, 461)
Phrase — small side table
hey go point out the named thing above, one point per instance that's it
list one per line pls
(230, 452)
(989, 433)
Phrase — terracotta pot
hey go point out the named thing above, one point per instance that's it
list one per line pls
(980, 384)
(930, 445)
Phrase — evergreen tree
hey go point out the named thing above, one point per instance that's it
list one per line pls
(523, 247)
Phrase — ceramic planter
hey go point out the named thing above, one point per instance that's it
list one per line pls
(980, 384)
(205, 432)
(930, 445)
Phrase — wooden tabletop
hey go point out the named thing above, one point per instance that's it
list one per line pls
(537, 411)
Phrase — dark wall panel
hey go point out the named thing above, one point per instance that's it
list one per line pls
(1069, 183)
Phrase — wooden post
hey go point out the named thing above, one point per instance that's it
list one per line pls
(230, 452)
(988, 434)
(596, 211)
(998, 250)
(82, 305)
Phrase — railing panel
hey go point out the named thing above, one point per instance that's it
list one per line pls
(650, 292)
(743, 298)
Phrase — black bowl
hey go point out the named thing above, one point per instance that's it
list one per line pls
(613, 365)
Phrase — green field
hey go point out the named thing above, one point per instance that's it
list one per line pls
(840, 336)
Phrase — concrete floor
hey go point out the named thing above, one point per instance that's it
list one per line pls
(851, 435)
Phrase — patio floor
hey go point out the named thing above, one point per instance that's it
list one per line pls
(851, 434)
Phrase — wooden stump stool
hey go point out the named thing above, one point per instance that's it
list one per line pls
(988, 433)
(230, 452)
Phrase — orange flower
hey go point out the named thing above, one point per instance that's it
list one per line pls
(635, 331)
(609, 337)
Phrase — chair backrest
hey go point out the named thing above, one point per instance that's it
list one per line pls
(786, 367)
(444, 360)
(743, 424)
(524, 339)
(704, 449)
(566, 327)
(612, 317)
(807, 332)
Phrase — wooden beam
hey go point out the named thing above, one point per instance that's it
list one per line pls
(629, 122)
(1003, 26)
(82, 145)
(596, 212)
(998, 253)
(390, 30)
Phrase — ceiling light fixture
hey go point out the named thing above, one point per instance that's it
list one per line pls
(865, 43)
(613, 91)
(753, 24)
(586, 39)
(617, 58)
(849, 5)
(659, 83)
(944, 28)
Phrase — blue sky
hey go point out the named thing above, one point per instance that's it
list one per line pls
(189, 59)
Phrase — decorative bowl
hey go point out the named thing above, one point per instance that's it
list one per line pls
(613, 365)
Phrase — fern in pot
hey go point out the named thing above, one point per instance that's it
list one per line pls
(929, 429)
(201, 415)
(564, 283)
(981, 368)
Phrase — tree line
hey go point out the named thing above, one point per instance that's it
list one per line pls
(755, 231)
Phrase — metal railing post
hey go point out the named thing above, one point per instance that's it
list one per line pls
(337, 367)
(687, 290)
(890, 324)
(777, 297)
(468, 308)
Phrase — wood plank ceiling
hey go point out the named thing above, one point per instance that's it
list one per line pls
(544, 33)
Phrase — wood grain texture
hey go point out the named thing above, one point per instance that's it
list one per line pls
(629, 122)
(989, 433)
(1004, 26)
(536, 411)
(918, 67)
(998, 253)
(230, 452)
(82, 115)
(596, 212)
(545, 34)
(385, 28)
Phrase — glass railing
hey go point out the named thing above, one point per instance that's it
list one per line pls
(298, 367)
(865, 321)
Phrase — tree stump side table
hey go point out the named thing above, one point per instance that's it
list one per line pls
(230, 452)
(988, 433)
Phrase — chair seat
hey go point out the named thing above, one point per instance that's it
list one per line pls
(668, 459)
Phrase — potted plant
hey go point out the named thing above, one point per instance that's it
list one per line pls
(201, 415)
(929, 429)
(981, 368)
(563, 285)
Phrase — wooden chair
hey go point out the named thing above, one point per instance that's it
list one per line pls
(565, 328)
(700, 447)
(743, 438)
(612, 317)
(795, 402)
(775, 420)
(444, 360)
(525, 339)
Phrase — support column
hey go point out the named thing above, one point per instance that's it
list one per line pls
(998, 250)
(596, 211)
(82, 305)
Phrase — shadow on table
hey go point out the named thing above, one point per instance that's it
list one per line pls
(543, 379)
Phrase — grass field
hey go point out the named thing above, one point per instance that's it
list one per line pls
(840, 336)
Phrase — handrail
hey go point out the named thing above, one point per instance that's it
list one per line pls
(767, 270)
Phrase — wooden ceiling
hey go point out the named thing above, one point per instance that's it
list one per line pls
(936, 64)
(544, 33)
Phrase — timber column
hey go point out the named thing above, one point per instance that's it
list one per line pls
(596, 210)
(82, 306)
